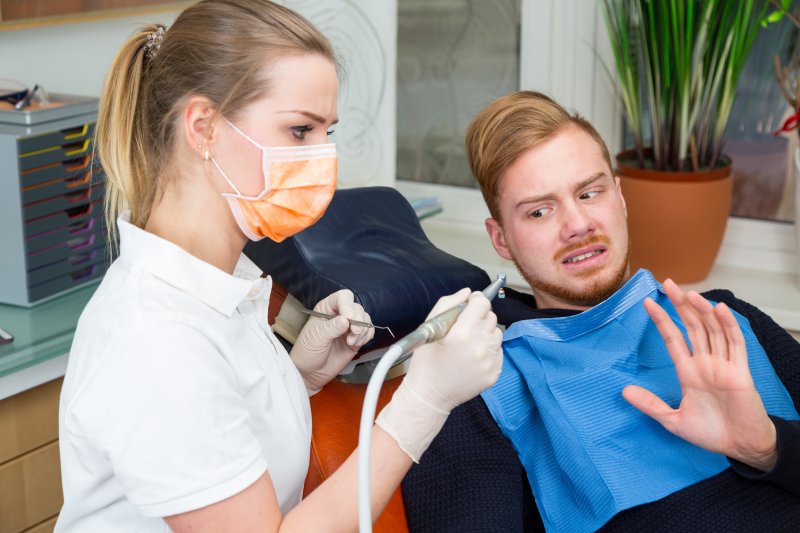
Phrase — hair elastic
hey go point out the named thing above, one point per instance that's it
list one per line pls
(153, 43)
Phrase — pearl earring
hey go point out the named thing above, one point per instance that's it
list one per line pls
(205, 154)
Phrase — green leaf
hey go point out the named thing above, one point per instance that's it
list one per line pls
(773, 17)
(677, 64)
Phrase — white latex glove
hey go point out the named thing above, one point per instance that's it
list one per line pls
(445, 374)
(324, 346)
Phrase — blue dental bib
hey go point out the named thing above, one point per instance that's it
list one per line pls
(587, 452)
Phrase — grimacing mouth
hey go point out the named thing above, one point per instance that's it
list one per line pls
(580, 256)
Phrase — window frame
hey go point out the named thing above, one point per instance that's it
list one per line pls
(573, 33)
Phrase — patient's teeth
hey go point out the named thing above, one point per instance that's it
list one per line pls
(583, 256)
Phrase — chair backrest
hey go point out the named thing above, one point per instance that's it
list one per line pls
(371, 242)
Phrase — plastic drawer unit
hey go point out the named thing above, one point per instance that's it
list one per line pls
(52, 230)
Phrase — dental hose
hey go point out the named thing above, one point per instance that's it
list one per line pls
(432, 329)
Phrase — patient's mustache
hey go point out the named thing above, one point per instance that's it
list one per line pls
(595, 239)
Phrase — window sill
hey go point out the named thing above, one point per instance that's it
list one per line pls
(773, 290)
(775, 293)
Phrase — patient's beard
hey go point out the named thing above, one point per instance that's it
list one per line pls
(598, 292)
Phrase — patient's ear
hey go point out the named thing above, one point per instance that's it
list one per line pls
(618, 184)
(495, 231)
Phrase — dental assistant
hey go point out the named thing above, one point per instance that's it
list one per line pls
(180, 410)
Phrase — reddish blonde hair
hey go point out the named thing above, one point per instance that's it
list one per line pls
(510, 126)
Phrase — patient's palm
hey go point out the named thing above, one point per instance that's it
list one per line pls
(720, 409)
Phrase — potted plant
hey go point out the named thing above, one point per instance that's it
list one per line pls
(788, 77)
(678, 64)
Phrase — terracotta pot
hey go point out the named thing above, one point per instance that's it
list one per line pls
(797, 205)
(676, 219)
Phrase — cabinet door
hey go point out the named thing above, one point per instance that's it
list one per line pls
(29, 420)
(31, 489)
(45, 527)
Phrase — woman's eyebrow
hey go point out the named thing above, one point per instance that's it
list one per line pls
(309, 114)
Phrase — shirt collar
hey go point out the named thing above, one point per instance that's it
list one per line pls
(175, 266)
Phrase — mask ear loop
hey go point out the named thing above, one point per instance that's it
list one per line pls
(264, 153)
(214, 162)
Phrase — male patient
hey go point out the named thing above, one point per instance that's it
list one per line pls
(623, 404)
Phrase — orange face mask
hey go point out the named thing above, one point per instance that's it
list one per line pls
(299, 182)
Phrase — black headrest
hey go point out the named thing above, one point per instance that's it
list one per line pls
(371, 242)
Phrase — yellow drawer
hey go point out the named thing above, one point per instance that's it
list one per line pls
(31, 489)
(29, 420)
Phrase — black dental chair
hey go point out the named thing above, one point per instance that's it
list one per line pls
(371, 242)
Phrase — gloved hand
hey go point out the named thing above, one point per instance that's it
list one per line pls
(444, 374)
(324, 346)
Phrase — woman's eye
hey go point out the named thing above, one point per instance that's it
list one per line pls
(330, 132)
(299, 132)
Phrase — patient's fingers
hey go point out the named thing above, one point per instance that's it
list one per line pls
(650, 404)
(716, 335)
(737, 347)
(673, 338)
(695, 328)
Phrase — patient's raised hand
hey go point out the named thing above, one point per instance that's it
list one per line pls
(720, 410)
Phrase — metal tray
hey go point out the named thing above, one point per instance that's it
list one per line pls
(62, 106)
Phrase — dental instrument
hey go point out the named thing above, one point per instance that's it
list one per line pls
(353, 322)
(432, 329)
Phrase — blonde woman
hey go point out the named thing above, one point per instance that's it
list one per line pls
(180, 410)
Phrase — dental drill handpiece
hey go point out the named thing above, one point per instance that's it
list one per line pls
(430, 330)
(437, 327)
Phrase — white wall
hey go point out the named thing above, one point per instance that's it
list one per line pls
(563, 45)
(364, 36)
(564, 49)
(68, 58)
(73, 58)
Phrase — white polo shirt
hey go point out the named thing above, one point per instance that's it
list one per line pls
(177, 394)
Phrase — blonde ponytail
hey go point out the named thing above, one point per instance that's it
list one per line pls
(217, 49)
(120, 145)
